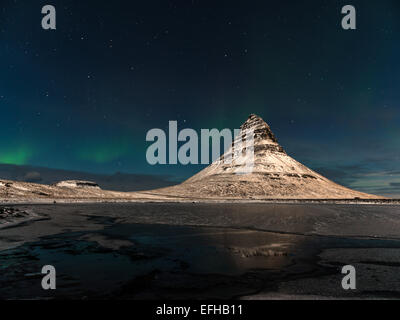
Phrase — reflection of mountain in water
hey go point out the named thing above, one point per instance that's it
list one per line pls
(148, 261)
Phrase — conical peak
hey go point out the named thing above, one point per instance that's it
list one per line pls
(252, 118)
(261, 129)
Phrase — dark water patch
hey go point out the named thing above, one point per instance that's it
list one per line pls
(103, 220)
(382, 263)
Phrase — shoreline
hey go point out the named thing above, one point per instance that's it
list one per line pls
(4, 202)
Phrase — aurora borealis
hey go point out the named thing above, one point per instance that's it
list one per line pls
(83, 97)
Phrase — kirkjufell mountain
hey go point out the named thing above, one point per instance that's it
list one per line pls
(275, 175)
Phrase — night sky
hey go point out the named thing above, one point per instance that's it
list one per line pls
(83, 97)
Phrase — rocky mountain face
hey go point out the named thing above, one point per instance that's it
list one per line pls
(273, 175)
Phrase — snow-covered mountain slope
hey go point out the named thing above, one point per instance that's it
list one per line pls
(273, 175)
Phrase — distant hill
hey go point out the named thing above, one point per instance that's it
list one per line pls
(115, 182)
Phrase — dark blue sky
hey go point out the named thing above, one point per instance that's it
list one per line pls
(83, 97)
